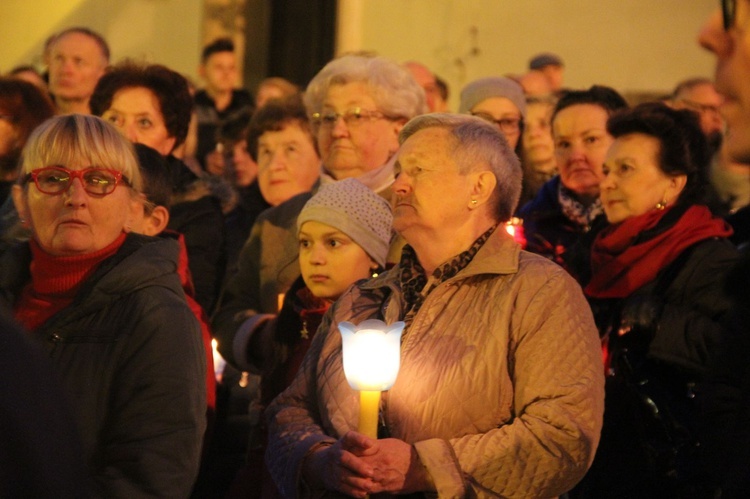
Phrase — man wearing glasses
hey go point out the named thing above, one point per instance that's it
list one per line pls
(727, 34)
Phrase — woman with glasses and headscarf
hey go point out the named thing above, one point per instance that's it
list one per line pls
(109, 307)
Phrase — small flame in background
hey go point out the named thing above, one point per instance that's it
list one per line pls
(514, 227)
(219, 361)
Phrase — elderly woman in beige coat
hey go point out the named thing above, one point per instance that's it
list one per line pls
(500, 391)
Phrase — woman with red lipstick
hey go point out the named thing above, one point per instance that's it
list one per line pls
(109, 308)
(657, 294)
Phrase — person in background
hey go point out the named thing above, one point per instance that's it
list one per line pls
(535, 84)
(538, 147)
(23, 107)
(241, 170)
(700, 95)
(726, 181)
(108, 306)
(78, 57)
(552, 67)
(152, 219)
(220, 97)
(725, 34)
(357, 105)
(656, 290)
(30, 75)
(428, 81)
(441, 99)
(150, 104)
(500, 387)
(274, 88)
(567, 207)
(499, 101)
(280, 138)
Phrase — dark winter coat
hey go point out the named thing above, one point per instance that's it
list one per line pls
(129, 353)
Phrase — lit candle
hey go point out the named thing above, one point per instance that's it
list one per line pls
(371, 356)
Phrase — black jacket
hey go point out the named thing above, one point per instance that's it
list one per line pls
(651, 417)
(130, 355)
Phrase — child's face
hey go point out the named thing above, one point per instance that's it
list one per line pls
(330, 261)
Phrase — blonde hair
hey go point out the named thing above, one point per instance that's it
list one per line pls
(81, 140)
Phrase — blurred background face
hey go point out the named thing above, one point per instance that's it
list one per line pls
(538, 145)
(8, 134)
(704, 100)
(76, 64)
(350, 150)
(266, 93)
(581, 143)
(504, 114)
(425, 79)
(220, 71)
(287, 163)
(330, 261)
(137, 114)
(634, 183)
(555, 75)
(245, 169)
(732, 50)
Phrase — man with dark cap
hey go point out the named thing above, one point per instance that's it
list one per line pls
(551, 66)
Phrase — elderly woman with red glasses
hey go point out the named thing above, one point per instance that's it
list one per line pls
(108, 306)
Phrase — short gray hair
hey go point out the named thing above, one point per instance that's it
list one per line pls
(77, 139)
(478, 146)
(392, 87)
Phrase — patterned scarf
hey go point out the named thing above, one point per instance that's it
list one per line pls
(574, 210)
(414, 281)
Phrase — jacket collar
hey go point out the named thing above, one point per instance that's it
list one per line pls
(499, 255)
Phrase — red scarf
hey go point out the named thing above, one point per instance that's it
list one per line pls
(621, 264)
(55, 280)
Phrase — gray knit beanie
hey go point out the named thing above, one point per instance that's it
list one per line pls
(484, 88)
(349, 206)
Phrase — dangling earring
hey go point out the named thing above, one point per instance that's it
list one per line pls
(661, 204)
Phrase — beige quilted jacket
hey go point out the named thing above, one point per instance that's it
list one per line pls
(501, 387)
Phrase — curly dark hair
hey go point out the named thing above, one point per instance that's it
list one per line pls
(683, 149)
(598, 95)
(169, 87)
(274, 116)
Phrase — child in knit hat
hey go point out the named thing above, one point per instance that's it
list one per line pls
(344, 233)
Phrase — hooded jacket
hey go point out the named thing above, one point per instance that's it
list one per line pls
(129, 353)
(500, 388)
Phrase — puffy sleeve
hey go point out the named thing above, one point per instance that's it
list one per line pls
(295, 427)
(692, 321)
(156, 414)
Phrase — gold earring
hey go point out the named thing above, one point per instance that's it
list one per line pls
(473, 202)
(661, 204)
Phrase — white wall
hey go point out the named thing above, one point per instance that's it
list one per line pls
(632, 45)
(159, 31)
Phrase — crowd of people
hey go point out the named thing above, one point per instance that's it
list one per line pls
(569, 268)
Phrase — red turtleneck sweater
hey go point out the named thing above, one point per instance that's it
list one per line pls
(55, 280)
